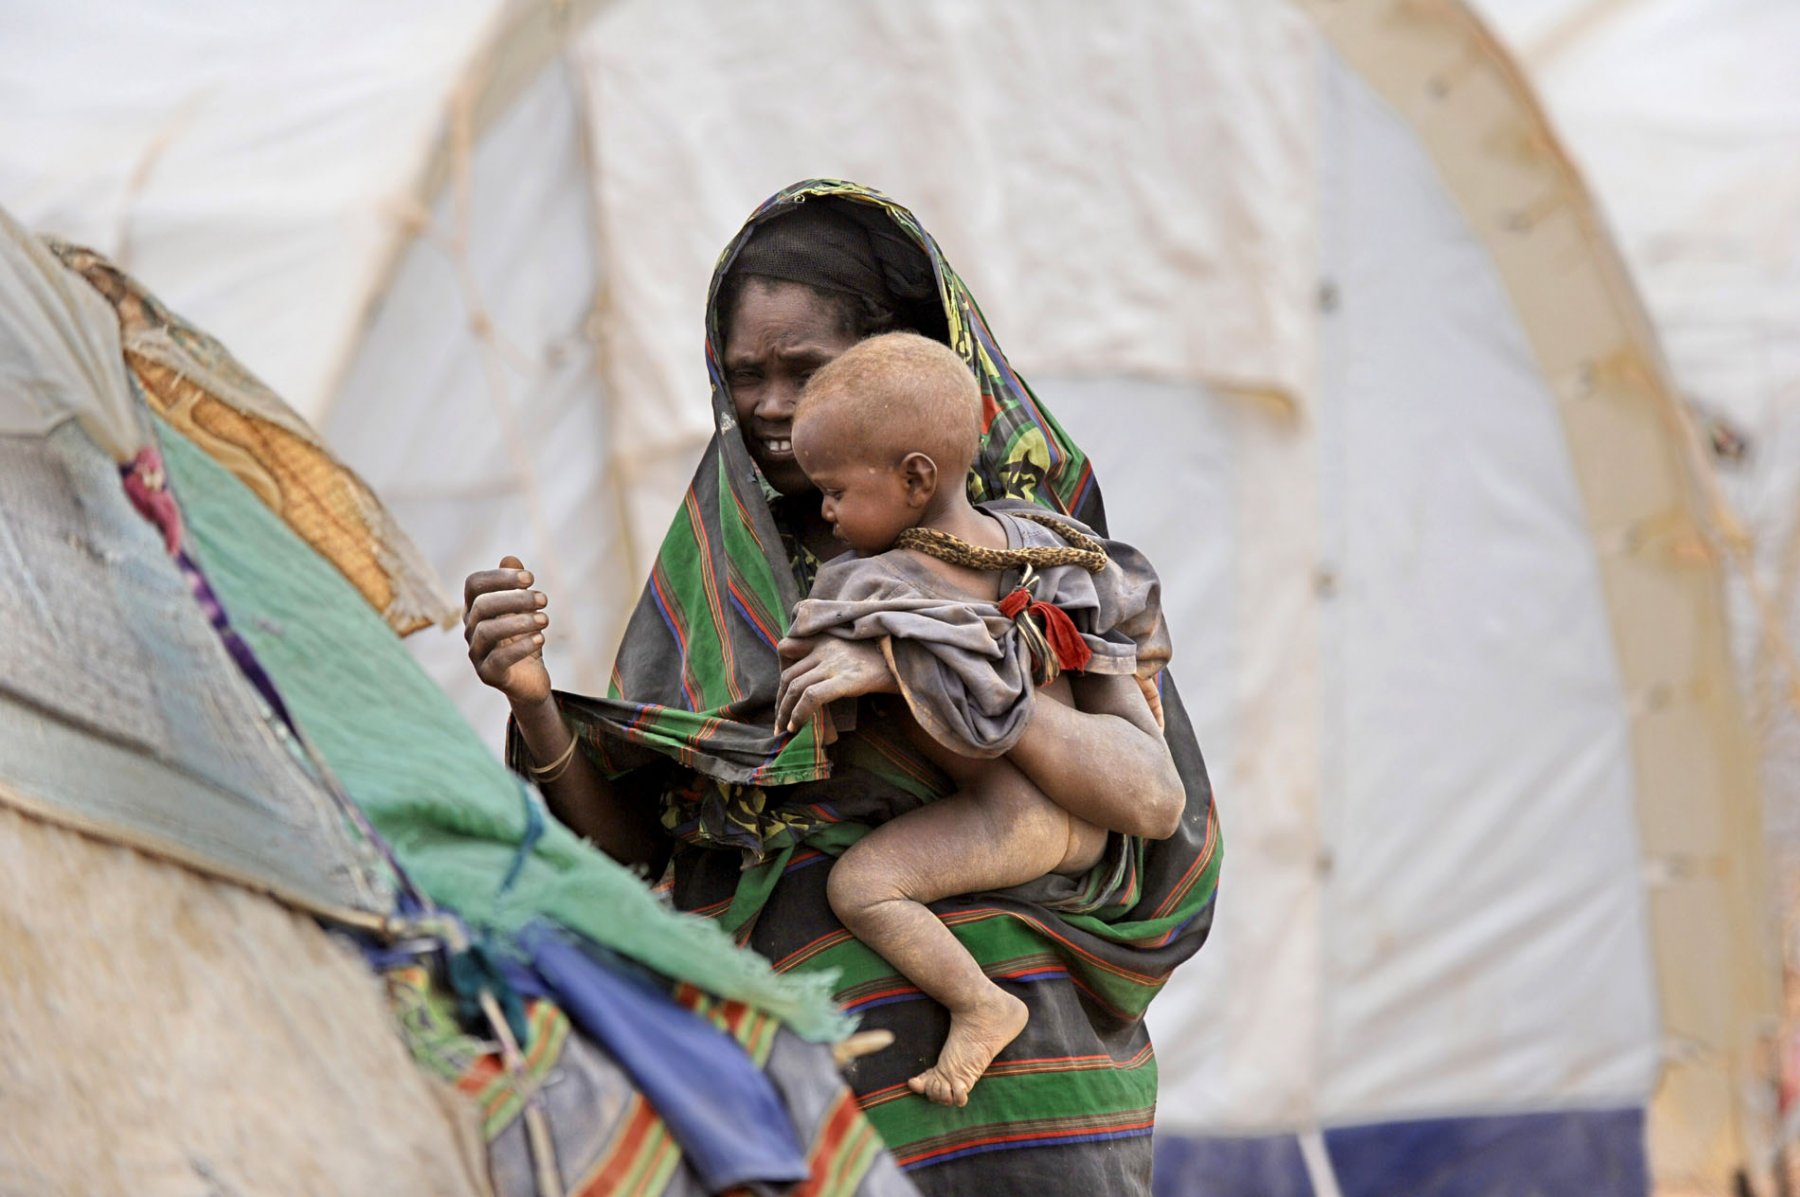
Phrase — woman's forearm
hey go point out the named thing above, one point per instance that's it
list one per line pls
(1105, 763)
(584, 800)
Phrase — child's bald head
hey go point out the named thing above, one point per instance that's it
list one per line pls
(895, 394)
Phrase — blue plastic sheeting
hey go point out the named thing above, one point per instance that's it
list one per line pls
(1572, 1153)
(1196, 1167)
(720, 1107)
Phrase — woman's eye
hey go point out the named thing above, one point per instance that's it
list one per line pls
(744, 377)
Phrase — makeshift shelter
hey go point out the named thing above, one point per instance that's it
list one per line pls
(199, 665)
(1339, 324)
(202, 1034)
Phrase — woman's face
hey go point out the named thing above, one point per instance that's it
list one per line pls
(780, 333)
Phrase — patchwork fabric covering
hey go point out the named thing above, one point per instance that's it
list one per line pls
(120, 710)
(188, 379)
(194, 679)
(224, 1042)
(1070, 1103)
(468, 832)
(608, 1137)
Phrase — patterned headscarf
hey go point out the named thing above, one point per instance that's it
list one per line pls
(696, 675)
(854, 251)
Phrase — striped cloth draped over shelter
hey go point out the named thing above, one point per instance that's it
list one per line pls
(608, 1138)
(1068, 1107)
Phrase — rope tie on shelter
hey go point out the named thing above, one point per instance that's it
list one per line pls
(1051, 637)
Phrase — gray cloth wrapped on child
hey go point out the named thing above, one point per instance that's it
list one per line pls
(964, 669)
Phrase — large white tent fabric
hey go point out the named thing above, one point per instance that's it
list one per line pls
(253, 155)
(1318, 292)
(1437, 484)
(1485, 420)
(1685, 117)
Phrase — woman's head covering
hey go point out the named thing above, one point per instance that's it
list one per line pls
(853, 252)
(695, 677)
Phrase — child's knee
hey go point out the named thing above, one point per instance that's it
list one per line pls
(870, 875)
(852, 885)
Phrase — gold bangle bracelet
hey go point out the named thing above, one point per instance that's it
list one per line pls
(557, 767)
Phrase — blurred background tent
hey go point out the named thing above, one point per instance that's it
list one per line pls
(1459, 541)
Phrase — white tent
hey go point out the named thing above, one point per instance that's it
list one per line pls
(1317, 289)
(1685, 116)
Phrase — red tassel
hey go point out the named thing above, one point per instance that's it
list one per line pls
(1072, 651)
(147, 487)
(1064, 640)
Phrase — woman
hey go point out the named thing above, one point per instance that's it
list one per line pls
(680, 765)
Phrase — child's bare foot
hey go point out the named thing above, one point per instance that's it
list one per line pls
(976, 1037)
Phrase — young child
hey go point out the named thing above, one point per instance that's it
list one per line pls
(971, 606)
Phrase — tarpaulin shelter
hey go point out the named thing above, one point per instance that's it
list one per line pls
(1338, 319)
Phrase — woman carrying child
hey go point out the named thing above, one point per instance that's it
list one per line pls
(681, 765)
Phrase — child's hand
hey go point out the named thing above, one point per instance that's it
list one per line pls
(823, 670)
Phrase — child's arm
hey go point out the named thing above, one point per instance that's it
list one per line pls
(823, 669)
(1105, 762)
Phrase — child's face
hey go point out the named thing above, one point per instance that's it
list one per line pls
(867, 502)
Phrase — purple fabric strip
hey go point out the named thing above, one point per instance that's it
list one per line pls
(146, 486)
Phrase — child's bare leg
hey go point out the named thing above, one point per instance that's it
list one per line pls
(998, 831)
